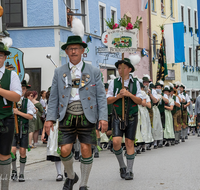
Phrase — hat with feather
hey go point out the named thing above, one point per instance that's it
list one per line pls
(167, 88)
(131, 61)
(171, 86)
(25, 81)
(78, 31)
(159, 83)
(5, 44)
(177, 84)
(146, 78)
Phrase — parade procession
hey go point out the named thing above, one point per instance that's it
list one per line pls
(99, 95)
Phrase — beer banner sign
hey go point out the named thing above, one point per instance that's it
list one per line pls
(15, 62)
(122, 40)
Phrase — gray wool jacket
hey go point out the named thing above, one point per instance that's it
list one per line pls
(92, 94)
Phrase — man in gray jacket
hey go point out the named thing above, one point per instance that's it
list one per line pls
(78, 100)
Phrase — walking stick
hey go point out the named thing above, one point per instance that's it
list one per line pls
(16, 125)
(123, 103)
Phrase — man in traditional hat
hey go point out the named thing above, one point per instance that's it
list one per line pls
(10, 91)
(163, 99)
(78, 97)
(24, 111)
(133, 97)
(184, 104)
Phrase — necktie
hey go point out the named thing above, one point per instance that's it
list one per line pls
(73, 74)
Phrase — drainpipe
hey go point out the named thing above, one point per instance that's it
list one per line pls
(4, 15)
(150, 55)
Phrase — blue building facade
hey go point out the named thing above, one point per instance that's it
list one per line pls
(190, 70)
(45, 26)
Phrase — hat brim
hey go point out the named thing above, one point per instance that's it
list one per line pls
(167, 90)
(6, 52)
(127, 63)
(63, 47)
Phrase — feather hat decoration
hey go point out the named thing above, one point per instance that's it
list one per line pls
(140, 80)
(134, 76)
(135, 59)
(161, 82)
(77, 27)
(147, 76)
(112, 77)
(171, 85)
(7, 42)
(27, 77)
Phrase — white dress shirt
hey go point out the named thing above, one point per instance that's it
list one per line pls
(15, 84)
(126, 83)
(30, 107)
(78, 76)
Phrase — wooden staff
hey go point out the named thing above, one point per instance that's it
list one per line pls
(16, 125)
(123, 105)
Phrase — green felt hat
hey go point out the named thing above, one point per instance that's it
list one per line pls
(166, 88)
(4, 49)
(106, 85)
(158, 84)
(171, 89)
(152, 85)
(49, 89)
(127, 62)
(182, 86)
(73, 40)
(25, 84)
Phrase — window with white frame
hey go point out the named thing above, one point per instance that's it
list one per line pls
(69, 17)
(14, 13)
(102, 16)
(154, 46)
(83, 11)
(182, 13)
(189, 17)
(162, 7)
(190, 56)
(114, 14)
(153, 5)
(172, 8)
(195, 19)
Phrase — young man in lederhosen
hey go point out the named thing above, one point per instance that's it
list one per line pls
(133, 97)
(10, 91)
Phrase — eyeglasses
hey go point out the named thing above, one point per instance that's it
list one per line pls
(75, 49)
(2, 56)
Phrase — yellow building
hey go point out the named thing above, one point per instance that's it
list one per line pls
(162, 12)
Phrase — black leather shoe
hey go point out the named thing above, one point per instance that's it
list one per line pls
(186, 137)
(83, 188)
(122, 172)
(173, 143)
(14, 175)
(143, 149)
(21, 178)
(68, 185)
(129, 176)
(160, 146)
(96, 155)
(155, 146)
(76, 155)
(183, 140)
(176, 142)
(167, 144)
(148, 148)
(138, 152)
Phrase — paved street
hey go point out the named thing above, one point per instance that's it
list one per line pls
(170, 168)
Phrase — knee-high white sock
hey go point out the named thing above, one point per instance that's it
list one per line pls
(5, 173)
(86, 165)
(22, 165)
(119, 155)
(58, 167)
(68, 165)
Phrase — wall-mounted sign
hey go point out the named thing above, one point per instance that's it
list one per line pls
(122, 40)
(192, 78)
(104, 38)
(15, 62)
(171, 75)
